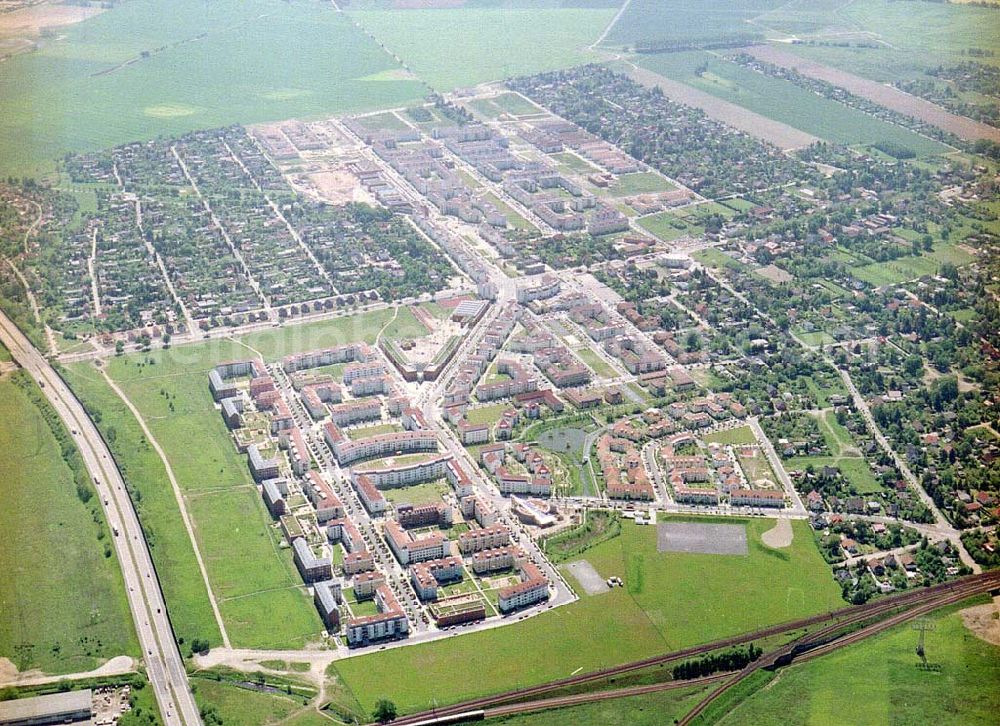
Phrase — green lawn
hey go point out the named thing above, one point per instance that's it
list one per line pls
(670, 601)
(855, 469)
(639, 183)
(741, 435)
(883, 672)
(74, 93)
(426, 493)
(597, 364)
(366, 431)
(465, 46)
(488, 414)
(574, 163)
(62, 599)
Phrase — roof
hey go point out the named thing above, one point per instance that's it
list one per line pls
(51, 705)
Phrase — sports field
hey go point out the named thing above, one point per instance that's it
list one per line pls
(148, 68)
(961, 688)
(783, 101)
(669, 601)
(449, 48)
(61, 592)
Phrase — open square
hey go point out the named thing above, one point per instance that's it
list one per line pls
(706, 539)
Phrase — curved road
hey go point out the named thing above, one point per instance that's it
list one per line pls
(162, 658)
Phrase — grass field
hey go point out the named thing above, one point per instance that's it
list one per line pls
(640, 183)
(169, 544)
(448, 48)
(670, 601)
(150, 68)
(741, 435)
(597, 364)
(783, 101)
(62, 600)
(884, 669)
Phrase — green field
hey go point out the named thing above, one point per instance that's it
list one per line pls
(61, 594)
(250, 576)
(149, 68)
(908, 268)
(783, 101)
(670, 601)
(367, 431)
(169, 544)
(740, 435)
(597, 364)
(488, 414)
(448, 48)
(640, 183)
(883, 671)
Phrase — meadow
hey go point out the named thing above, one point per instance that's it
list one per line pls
(169, 544)
(783, 101)
(449, 48)
(149, 68)
(908, 267)
(669, 601)
(961, 688)
(61, 593)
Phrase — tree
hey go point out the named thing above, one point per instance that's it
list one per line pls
(119, 347)
(385, 711)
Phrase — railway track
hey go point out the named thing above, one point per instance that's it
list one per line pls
(838, 619)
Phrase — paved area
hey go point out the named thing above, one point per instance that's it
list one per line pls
(590, 580)
(708, 539)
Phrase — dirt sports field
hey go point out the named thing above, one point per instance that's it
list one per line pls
(774, 132)
(879, 93)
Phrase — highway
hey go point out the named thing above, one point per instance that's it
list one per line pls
(164, 665)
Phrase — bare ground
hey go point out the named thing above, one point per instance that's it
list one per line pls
(774, 132)
(880, 93)
(981, 621)
(779, 536)
(31, 21)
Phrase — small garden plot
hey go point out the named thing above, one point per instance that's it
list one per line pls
(754, 464)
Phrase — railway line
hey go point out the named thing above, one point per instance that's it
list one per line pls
(917, 601)
(818, 644)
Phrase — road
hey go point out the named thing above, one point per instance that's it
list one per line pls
(164, 665)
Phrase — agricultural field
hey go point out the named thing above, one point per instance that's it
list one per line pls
(126, 75)
(676, 21)
(669, 601)
(449, 48)
(63, 599)
(783, 101)
(886, 670)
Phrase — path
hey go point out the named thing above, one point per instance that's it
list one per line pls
(614, 21)
(117, 666)
(92, 269)
(780, 535)
(177, 495)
